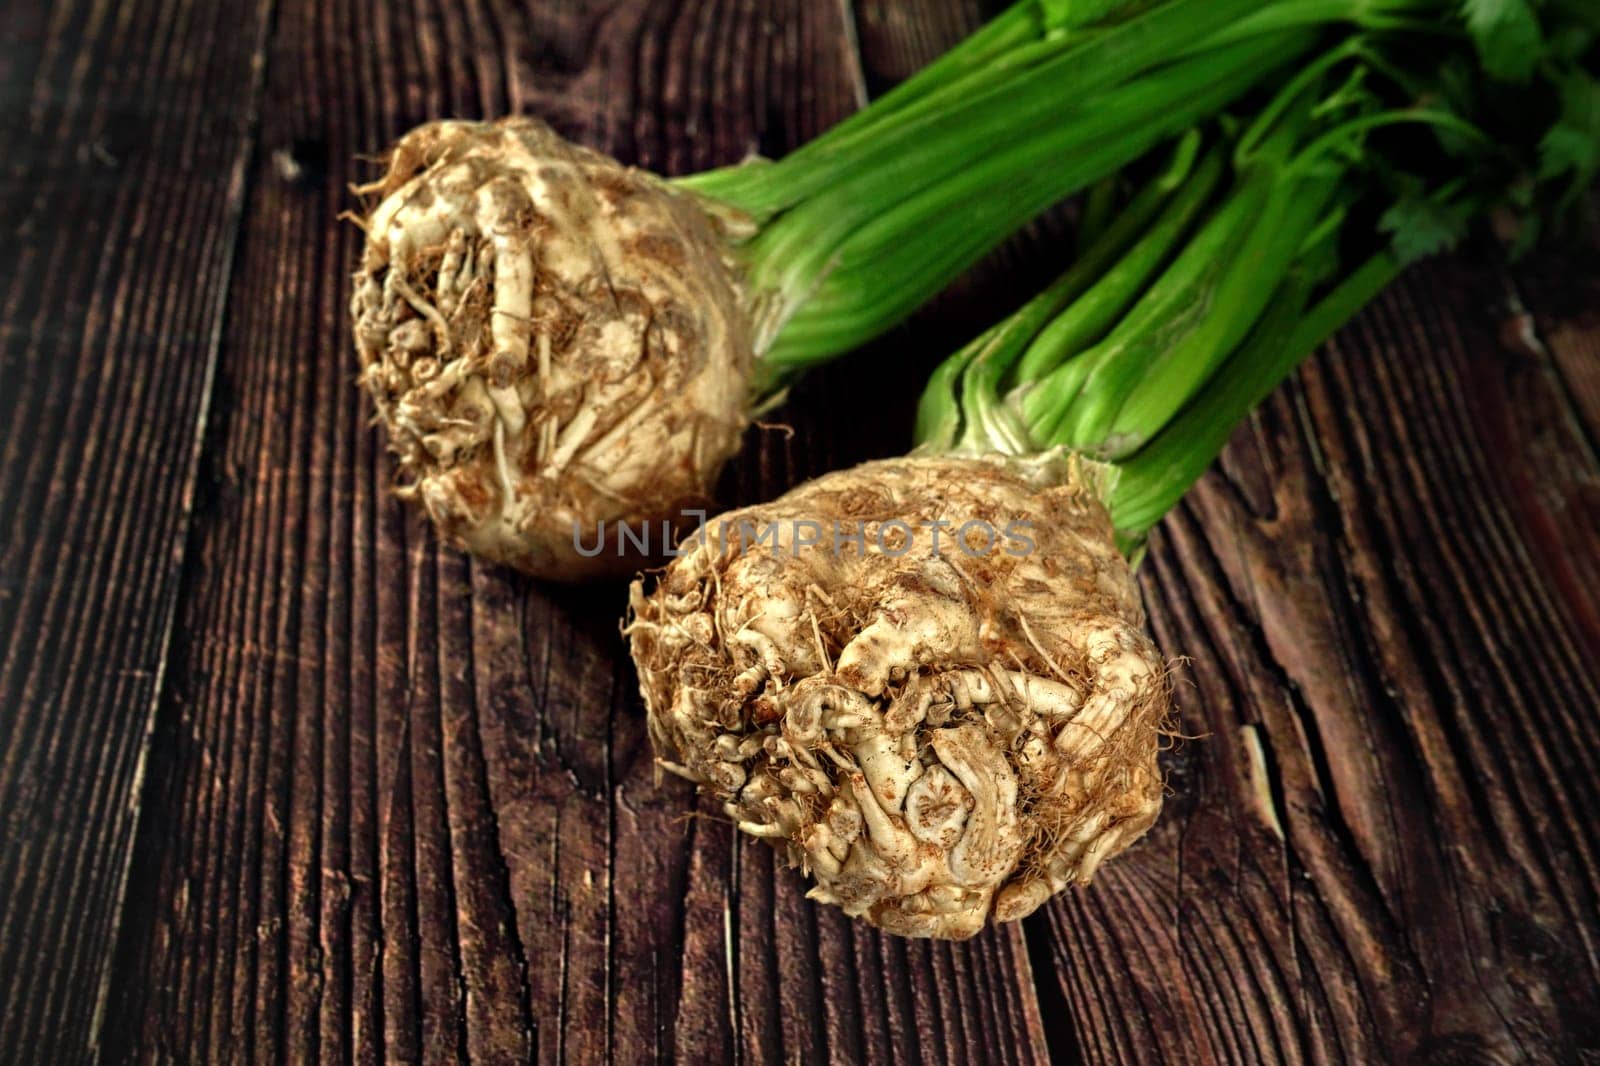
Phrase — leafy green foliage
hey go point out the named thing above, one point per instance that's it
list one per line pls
(1507, 35)
(1524, 85)
(1569, 154)
(1419, 226)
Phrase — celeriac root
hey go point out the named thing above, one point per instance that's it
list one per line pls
(937, 739)
(553, 341)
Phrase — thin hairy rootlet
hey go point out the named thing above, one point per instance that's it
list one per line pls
(554, 342)
(937, 739)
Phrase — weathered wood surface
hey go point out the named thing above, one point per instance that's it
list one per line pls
(126, 130)
(398, 805)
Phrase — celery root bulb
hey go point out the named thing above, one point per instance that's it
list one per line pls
(937, 739)
(555, 343)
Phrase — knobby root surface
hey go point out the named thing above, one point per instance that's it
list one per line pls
(554, 342)
(937, 739)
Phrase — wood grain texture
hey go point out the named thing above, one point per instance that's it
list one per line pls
(399, 806)
(127, 128)
(1377, 850)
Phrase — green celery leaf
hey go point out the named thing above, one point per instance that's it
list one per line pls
(1420, 226)
(1507, 35)
(1460, 88)
(1570, 150)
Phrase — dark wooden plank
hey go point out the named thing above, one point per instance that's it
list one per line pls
(1555, 314)
(127, 131)
(1552, 317)
(1378, 848)
(402, 804)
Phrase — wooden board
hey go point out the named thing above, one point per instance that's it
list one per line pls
(398, 805)
(127, 129)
